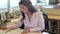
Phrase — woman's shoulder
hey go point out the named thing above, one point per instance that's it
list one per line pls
(38, 13)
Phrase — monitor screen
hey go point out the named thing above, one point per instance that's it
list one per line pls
(53, 1)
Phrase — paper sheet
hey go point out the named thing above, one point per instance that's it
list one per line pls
(16, 31)
(2, 32)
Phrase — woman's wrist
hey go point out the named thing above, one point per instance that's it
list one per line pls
(27, 30)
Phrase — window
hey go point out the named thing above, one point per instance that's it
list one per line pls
(14, 3)
(34, 2)
(42, 2)
(3, 4)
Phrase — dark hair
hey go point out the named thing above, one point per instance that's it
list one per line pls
(29, 6)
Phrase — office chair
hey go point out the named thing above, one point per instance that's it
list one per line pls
(46, 20)
(22, 27)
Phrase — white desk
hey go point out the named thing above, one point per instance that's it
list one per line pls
(18, 31)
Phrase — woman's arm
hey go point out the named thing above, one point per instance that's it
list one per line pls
(16, 25)
(41, 25)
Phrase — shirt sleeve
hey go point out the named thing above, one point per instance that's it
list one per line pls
(19, 23)
(41, 25)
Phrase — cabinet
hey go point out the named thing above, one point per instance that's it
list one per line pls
(53, 25)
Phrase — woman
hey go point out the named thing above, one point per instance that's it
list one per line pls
(33, 19)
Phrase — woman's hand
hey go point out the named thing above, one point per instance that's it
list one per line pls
(3, 27)
(25, 31)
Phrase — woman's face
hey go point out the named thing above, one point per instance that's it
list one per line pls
(24, 8)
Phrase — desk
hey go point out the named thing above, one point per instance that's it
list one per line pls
(18, 31)
(57, 25)
(13, 21)
(54, 17)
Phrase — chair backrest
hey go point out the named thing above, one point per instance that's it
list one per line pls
(45, 17)
(0, 16)
(46, 21)
(22, 27)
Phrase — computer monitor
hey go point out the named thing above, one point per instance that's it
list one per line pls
(53, 2)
